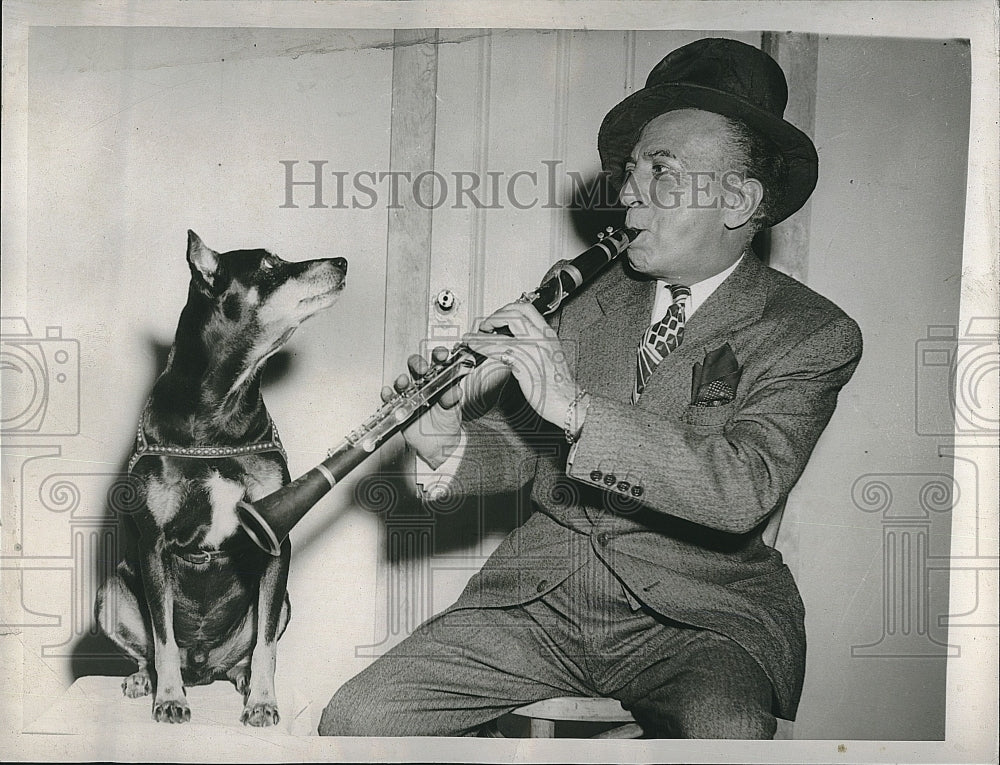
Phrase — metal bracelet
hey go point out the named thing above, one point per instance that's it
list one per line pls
(568, 425)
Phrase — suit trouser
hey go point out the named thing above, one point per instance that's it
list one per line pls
(467, 667)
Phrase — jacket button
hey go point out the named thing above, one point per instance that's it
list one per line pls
(636, 491)
(623, 486)
(596, 475)
(542, 585)
(610, 479)
(603, 538)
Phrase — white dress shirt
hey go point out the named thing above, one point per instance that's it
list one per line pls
(699, 294)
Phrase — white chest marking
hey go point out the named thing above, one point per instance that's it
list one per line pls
(224, 495)
(263, 477)
(163, 501)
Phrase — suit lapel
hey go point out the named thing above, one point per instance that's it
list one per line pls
(611, 339)
(738, 300)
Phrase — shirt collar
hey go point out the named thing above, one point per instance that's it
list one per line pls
(700, 292)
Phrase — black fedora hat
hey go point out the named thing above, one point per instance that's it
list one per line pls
(729, 78)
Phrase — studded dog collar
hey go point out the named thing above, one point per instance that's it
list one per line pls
(268, 442)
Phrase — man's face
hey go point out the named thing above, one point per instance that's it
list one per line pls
(678, 184)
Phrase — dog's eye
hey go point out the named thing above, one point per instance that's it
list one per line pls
(266, 265)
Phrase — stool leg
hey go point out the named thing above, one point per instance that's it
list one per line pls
(542, 728)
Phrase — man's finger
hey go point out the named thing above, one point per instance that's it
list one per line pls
(439, 354)
(417, 365)
(387, 393)
(500, 318)
(486, 376)
(488, 345)
(529, 315)
(403, 382)
(451, 396)
(522, 319)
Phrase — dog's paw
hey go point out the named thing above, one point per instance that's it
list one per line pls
(172, 711)
(262, 715)
(137, 685)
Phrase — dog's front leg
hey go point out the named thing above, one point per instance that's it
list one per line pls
(261, 706)
(169, 704)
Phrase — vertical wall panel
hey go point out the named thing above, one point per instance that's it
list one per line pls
(411, 155)
(521, 123)
(463, 158)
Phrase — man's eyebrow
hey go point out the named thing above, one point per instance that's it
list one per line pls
(658, 153)
(653, 154)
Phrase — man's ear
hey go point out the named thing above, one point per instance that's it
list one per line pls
(204, 262)
(741, 198)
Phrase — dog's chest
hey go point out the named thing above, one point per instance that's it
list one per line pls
(200, 510)
(223, 494)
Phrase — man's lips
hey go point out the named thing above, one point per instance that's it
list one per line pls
(638, 235)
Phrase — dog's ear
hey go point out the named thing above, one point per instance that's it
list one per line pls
(204, 262)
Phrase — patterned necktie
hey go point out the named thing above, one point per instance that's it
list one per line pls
(660, 339)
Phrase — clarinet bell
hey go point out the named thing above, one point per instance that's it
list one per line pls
(268, 520)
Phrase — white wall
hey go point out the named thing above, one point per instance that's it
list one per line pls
(892, 122)
(140, 135)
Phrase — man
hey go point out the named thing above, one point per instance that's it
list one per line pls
(687, 397)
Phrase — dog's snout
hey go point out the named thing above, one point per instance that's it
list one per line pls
(340, 263)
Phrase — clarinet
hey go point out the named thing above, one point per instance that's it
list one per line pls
(268, 520)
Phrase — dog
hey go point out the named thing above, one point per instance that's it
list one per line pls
(195, 598)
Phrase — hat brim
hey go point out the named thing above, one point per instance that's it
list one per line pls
(623, 124)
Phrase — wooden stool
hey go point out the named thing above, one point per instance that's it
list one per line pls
(544, 714)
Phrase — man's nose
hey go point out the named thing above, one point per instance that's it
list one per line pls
(628, 196)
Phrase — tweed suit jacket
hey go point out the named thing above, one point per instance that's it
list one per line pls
(708, 479)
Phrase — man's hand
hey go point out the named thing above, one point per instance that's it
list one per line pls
(435, 434)
(534, 356)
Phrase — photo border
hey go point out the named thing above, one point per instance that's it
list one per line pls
(971, 722)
